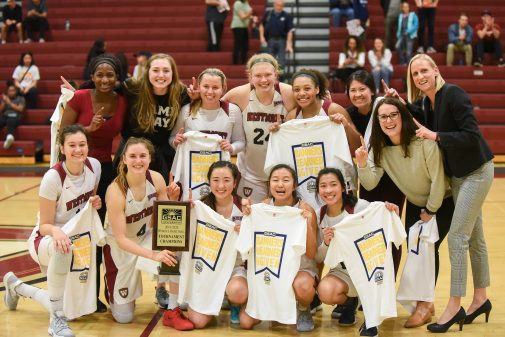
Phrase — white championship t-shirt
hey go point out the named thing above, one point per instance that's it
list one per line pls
(309, 145)
(363, 241)
(192, 161)
(207, 267)
(86, 232)
(418, 277)
(273, 240)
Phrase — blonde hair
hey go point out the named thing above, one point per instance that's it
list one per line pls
(197, 104)
(413, 93)
(262, 58)
(122, 169)
(145, 107)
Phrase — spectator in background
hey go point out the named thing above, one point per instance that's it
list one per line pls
(98, 48)
(339, 8)
(25, 77)
(12, 18)
(217, 10)
(123, 61)
(488, 34)
(11, 107)
(407, 32)
(361, 12)
(242, 14)
(460, 40)
(426, 10)
(276, 32)
(352, 58)
(393, 10)
(380, 61)
(139, 69)
(36, 20)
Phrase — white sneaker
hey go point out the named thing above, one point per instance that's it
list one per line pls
(11, 297)
(4, 42)
(28, 40)
(431, 50)
(58, 326)
(8, 141)
(420, 50)
(41, 40)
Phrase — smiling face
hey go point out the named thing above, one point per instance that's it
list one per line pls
(352, 44)
(424, 75)
(222, 183)
(263, 77)
(104, 77)
(378, 44)
(360, 95)
(75, 148)
(390, 121)
(27, 60)
(211, 89)
(330, 189)
(305, 91)
(282, 186)
(137, 158)
(160, 75)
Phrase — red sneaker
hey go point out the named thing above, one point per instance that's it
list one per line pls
(175, 318)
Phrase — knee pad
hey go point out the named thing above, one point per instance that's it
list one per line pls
(60, 262)
(123, 313)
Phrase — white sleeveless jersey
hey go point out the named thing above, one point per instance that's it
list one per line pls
(363, 241)
(308, 146)
(206, 268)
(225, 122)
(124, 281)
(323, 112)
(273, 240)
(418, 277)
(192, 161)
(257, 119)
(70, 192)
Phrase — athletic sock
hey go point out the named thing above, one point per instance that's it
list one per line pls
(37, 294)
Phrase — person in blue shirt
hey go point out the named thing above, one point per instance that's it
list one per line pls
(460, 40)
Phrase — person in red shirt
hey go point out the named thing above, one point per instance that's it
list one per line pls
(488, 34)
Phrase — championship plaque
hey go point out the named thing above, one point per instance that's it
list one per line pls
(171, 230)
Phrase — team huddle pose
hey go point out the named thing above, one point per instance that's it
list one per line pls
(256, 231)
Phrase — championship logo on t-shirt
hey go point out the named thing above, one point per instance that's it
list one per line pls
(268, 253)
(309, 159)
(199, 163)
(81, 252)
(209, 241)
(372, 250)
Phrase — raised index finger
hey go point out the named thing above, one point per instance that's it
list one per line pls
(362, 142)
(194, 82)
(419, 125)
(170, 179)
(100, 110)
(386, 88)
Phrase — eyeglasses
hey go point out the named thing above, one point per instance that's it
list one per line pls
(393, 116)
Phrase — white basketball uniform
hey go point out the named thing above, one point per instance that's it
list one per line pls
(273, 240)
(124, 281)
(363, 241)
(257, 118)
(418, 277)
(308, 146)
(324, 220)
(192, 161)
(226, 121)
(323, 112)
(208, 265)
(71, 194)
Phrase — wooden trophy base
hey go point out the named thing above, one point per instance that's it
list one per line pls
(164, 269)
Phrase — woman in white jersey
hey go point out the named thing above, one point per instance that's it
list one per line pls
(310, 90)
(130, 200)
(262, 101)
(282, 184)
(64, 191)
(337, 287)
(223, 178)
(208, 114)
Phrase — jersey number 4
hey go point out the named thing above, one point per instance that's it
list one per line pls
(259, 133)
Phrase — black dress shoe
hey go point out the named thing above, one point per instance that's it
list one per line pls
(485, 308)
(458, 318)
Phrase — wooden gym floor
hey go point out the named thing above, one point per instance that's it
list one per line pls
(18, 208)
